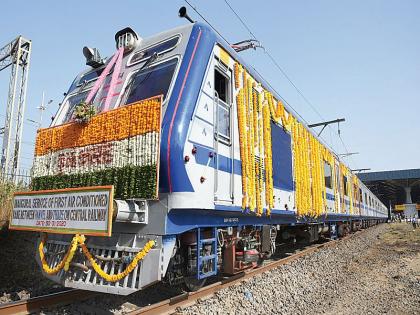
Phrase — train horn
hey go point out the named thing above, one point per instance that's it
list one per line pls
(182, 13)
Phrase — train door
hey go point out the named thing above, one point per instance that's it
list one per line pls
(223, 134)
(346, 194)
(329, 187)
(360, 201)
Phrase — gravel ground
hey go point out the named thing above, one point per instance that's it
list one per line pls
(20, 275)
(115, 304)
(375, 272)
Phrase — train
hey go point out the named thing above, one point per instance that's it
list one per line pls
(209, 169)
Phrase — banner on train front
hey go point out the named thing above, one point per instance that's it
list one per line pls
(86, 210)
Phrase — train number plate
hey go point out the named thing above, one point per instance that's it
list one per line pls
(86, 210)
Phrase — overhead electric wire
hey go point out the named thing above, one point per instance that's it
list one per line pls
(205, 20)
(273, 60)
(196, 10)
(240, 19)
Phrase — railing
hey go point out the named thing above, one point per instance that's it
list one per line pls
(21, 179)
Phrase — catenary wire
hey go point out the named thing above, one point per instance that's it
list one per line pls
(277, 65)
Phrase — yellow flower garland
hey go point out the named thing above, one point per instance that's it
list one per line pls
(356, 193)
(251, 145)
(260, 150)
(243, 146)
(346, 172)
(117, 277)
(329, 158)
(268, 159)
(44, 263)
(256, 108)
(253, 139)
(257, 146)
(80, 240)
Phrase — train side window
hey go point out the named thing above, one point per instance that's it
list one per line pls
(345, 185)
(327, 174)
(365, 198)
(221, 88)
(360, 196)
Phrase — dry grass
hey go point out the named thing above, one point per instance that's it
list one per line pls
(402, 234)
(6, 195)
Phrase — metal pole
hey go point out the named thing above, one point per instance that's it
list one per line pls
(21, 105)
(5, 159)
(17, 55)
(41, 109)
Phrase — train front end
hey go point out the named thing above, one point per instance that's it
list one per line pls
(95, 189)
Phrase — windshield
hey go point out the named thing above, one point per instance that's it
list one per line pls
(149, 82)
(159, 49)
(146, 83)
(72, 102)
(85, 78)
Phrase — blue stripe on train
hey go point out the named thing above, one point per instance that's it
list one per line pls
(282, 159)
(182, 220)
(182, 117)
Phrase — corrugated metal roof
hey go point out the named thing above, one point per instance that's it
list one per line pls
(390, 175)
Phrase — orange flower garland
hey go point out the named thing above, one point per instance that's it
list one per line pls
(117, 124)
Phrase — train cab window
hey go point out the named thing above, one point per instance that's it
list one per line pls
(152, 81)
(366, 199)
(345, 186)
(158, 49)
(71, 104)
(221, 88)
(360, 196)
(327, 174)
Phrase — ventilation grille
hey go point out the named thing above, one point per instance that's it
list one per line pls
(76, 277)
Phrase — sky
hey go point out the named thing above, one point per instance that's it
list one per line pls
(357, 60)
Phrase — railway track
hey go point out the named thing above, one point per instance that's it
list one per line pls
(35, 304)
(168, 306)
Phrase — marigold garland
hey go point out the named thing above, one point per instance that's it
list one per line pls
(118, 147)
(345, 172)
(79, 240)
(117, 277)
(260, 165)
(139, 118)
(236, 69)
(44, 263)
(251, 142)
(356, 193)
(243, 146)
(255, 111)
(268, 163)
(329, 158)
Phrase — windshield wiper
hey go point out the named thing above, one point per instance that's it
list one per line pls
(152, 58)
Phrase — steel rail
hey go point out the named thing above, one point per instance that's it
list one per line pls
(35, 304)
(168, 306)
(171, 305)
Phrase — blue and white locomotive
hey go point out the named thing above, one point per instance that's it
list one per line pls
(198, 221)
